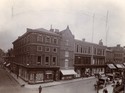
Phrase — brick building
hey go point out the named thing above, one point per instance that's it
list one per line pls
(37, 55)
(89, 58)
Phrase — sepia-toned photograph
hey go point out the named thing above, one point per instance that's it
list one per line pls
(62, 46)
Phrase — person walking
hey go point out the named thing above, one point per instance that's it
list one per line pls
(40, 89)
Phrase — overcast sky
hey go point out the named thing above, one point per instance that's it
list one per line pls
(78, 14)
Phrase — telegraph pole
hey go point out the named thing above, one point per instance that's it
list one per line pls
(106, 28)
(12, 9)
(93, 27)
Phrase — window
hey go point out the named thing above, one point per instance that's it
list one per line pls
(40, 38)
(47, 49)
(47, 59)
(54, 60)
(67, 42)
(94, 50)
(47, 39)
(54, 50)
(39, 48)
(39, 59)
(77, 48)
(66, 63)
(88, 49)
(28, 38)
(55, 41)
(66, 53)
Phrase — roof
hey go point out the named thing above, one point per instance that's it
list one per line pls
(89, 43)
(45, 30)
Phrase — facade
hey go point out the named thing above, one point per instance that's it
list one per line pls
(67, 54)
(115, 59)
(37, 55)
(89, 58)
(109, 55)
(118, 54)
(48, 55)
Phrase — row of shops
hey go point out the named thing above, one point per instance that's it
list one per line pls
(32, 74)
(117, 70)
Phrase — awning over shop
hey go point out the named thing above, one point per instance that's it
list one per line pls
(8, 64)
(120, 66)
(124, 64)
(111, 66)
(4, 63)
(68, 72)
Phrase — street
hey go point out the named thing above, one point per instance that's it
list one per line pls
(8, 84)
(85, 86)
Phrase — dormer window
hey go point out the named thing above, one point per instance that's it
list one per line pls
(55, 41)
(47, 39)
(40, 38)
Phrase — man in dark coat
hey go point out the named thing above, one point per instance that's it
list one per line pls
(40, 89)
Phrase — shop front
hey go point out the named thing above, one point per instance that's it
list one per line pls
(68, 74)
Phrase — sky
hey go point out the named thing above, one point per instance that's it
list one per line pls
(104, 18)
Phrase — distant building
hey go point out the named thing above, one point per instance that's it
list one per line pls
(118, 54)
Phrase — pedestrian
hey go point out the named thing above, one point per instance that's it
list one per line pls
(40, 89)
(105, 91)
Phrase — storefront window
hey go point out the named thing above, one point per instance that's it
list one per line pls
(39, 77)
(31, 76)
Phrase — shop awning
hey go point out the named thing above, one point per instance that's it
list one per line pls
(8, 64)
(4, 63)
(120, 66)
(124, 64)
(68, 72)
(111, 66)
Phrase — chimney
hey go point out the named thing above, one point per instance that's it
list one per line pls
(57, 31)
(51, 29)
(100, 42)
(118, 45)
(83, 39)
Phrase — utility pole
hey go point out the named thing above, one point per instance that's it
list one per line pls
(93, 27)
(106, 28)
(12, 9)
(92, 40)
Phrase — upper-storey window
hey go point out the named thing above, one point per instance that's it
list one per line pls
(55, 41)
(28, 38)
(77, 48)
(94, 50)
(47, 60)
(39, 48)
(66, 53)
(55, 50)
(47, 49)
(67, 42)
(54, 60)
(48, 39)
(89, 50)
(40, 38)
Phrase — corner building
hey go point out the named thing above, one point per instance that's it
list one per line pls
(37, 55)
